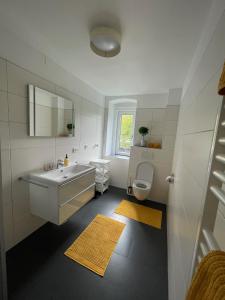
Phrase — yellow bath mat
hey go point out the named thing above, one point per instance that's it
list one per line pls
(208, 282)
(140, 213)
(94, 247)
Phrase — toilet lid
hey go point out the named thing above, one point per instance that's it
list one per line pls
(145, 171)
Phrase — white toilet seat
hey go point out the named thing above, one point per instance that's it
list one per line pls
(142, 184)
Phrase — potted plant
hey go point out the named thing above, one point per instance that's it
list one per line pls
(70, 128)
(143, 131)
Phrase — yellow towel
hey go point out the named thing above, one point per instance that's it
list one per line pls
(221, 87)
(209, 280)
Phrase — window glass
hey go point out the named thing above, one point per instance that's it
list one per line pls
(125, 133)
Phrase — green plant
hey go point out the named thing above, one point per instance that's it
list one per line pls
(70, 126)
(143, 130)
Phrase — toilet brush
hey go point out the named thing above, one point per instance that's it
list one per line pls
(129, 189)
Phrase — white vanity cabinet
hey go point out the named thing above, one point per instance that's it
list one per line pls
(56, 202)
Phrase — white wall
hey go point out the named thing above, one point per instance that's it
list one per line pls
(196, 124)
(22, 154)
(162, 123)
(159, 112)
(22, 54)
(159, 100)
(118, 171)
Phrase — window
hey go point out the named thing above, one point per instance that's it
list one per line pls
(120, 127)
(124, 132)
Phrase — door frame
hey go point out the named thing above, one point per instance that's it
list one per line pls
(3, 276)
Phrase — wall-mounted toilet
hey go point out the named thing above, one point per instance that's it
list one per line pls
(143, 181)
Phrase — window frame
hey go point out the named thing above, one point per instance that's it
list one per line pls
(117, 129)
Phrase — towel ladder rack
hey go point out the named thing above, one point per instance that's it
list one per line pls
(210, 240)
(214, 192)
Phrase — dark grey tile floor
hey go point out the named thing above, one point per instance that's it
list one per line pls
(38, 269)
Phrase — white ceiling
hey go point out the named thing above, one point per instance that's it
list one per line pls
(159, 38)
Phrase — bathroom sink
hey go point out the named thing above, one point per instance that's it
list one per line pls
(62, 175)
(56, 195)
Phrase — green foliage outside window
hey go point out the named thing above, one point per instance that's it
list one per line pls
(126, 132)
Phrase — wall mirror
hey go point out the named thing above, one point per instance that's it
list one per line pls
(50, 115)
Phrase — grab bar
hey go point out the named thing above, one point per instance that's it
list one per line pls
(32, 182)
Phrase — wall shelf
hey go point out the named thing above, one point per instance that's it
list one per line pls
(147, 148)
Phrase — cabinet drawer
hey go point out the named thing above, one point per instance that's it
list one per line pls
(69, 208)
(71, 189)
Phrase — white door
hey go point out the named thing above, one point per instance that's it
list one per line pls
(176, 281)
(187, 193)
(185, 206)
(183, 214)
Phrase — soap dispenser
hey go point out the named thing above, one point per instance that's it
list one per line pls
(66, 161)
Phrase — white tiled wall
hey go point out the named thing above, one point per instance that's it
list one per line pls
(158, 112)
(162, 123)
(22, 154)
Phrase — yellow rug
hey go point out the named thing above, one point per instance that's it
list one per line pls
(140, 213)
(94, 247)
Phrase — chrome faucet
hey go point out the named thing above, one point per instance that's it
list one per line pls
(60, 163)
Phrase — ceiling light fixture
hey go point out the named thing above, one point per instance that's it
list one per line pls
(105, 41)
